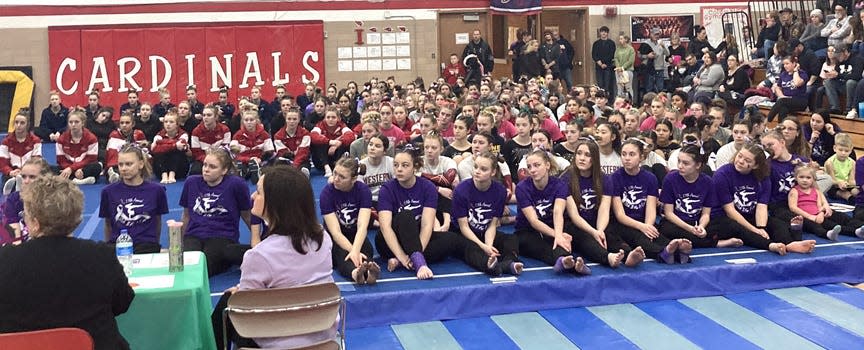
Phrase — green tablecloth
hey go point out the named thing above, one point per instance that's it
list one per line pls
(171, 318)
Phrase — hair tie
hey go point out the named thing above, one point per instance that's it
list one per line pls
(227, 148)
(644, 144)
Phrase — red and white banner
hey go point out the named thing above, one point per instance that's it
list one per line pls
(116, 59)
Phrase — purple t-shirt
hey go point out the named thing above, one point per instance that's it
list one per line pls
(134, 208)
(13, 209)
(634, 191)
(789, 88)
(543, 201)
(590, 199)
(480, 207)
(783, 178)
(346, 205)
(395, 198)
(745, 191)
(215, 211)
(687, 198)
(859, 180)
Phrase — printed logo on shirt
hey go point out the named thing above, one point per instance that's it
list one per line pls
(477, 218)
(786, 183)
(631, 198)
(743, 201)
(589, 201)
(542, 206)
(347, 214)
(207, 205)
(684, 204)
(127, 212)
(410, 205)
(376, 180)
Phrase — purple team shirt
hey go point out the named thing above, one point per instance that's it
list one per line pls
(395, 198)
(588, 210)
(346, 205)
(134, 208)
(480, 207)
(859, 180)
(783, 177)
(745, 191)
(634, 191)
(13, 210)
(687, 198)
(214, 212)
(543, 201)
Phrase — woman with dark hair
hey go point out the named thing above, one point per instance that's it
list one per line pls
(708, 79)
(790, 90)
(295, 253)
(820, 133)
(737, 81)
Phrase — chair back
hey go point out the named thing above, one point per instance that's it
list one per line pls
(283, 312)
(48, 339)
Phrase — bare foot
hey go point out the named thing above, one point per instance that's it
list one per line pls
(616, 258)
(672, 247)
(635, 258)
(373, 272)
(685, 246)
(490, 264)
(778, 248)
(424, 273)
(803, 247)
(797, 223)
(581, 268)
(516, 268)
(392, 264)
(359, 274)
(730, 243)
(569, 263)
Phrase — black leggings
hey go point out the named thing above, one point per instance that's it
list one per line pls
(344, 267)
(320, 156)
(535, 245)
(778, 223)
(671, 231)
(588, 247)
(732, 229)
(507, 245)
(221, 253)
(847, 224)
(636, 238)
(175, 161)
(407, 229)
(784, 106)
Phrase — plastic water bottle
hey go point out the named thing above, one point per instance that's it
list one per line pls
(124, 251)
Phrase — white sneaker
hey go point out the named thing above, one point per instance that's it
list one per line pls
(305, 172)
(327, 171)
(113, 176)
(85, 181)
(852, 114)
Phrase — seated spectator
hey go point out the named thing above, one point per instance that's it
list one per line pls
(53, 120)
(790, 90)
(848, 72)
(812, 36)
(737, 81)
(768, 36)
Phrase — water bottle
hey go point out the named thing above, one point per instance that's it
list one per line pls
(124, 251)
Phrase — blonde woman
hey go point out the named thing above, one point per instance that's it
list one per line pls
(625, 55)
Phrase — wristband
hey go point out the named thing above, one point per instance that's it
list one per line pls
(761, 227)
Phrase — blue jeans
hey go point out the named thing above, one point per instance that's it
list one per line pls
(567, 77)
(654, 81)
(606, 79)
(832, 87)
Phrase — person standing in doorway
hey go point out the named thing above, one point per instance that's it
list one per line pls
(565, 60)
(602, 53)
(479, 47)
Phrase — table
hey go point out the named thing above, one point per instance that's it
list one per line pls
(175, 317)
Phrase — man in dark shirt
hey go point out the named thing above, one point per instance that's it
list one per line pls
(602, 53)
(810, 64)
(844, 78)
(479, 47)
(549, 54)
(565, 61)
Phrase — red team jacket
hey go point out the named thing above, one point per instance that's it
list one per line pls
(13, 154)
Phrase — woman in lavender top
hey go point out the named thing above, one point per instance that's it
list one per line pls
(134, 203)
(634, 202)
(588, 207)
(406, 214)
(295, 253)
(743, 189)
(213, 204)
(542, 198)
(478, 205)
(346, 206)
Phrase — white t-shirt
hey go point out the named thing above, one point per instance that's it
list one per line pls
(610, 163)
(377, 175)
(443, 165)
(466, 168)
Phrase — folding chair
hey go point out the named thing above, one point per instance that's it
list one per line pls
(48, 339)
(284, 312)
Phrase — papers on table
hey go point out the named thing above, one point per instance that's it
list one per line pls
(160, 260)
(152, 282)
(741, 261)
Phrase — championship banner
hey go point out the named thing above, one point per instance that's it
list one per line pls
(116, 59)
(520, 7)
(712, 20)
(640, 27)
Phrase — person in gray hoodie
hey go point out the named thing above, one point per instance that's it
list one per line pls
(708, 79)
